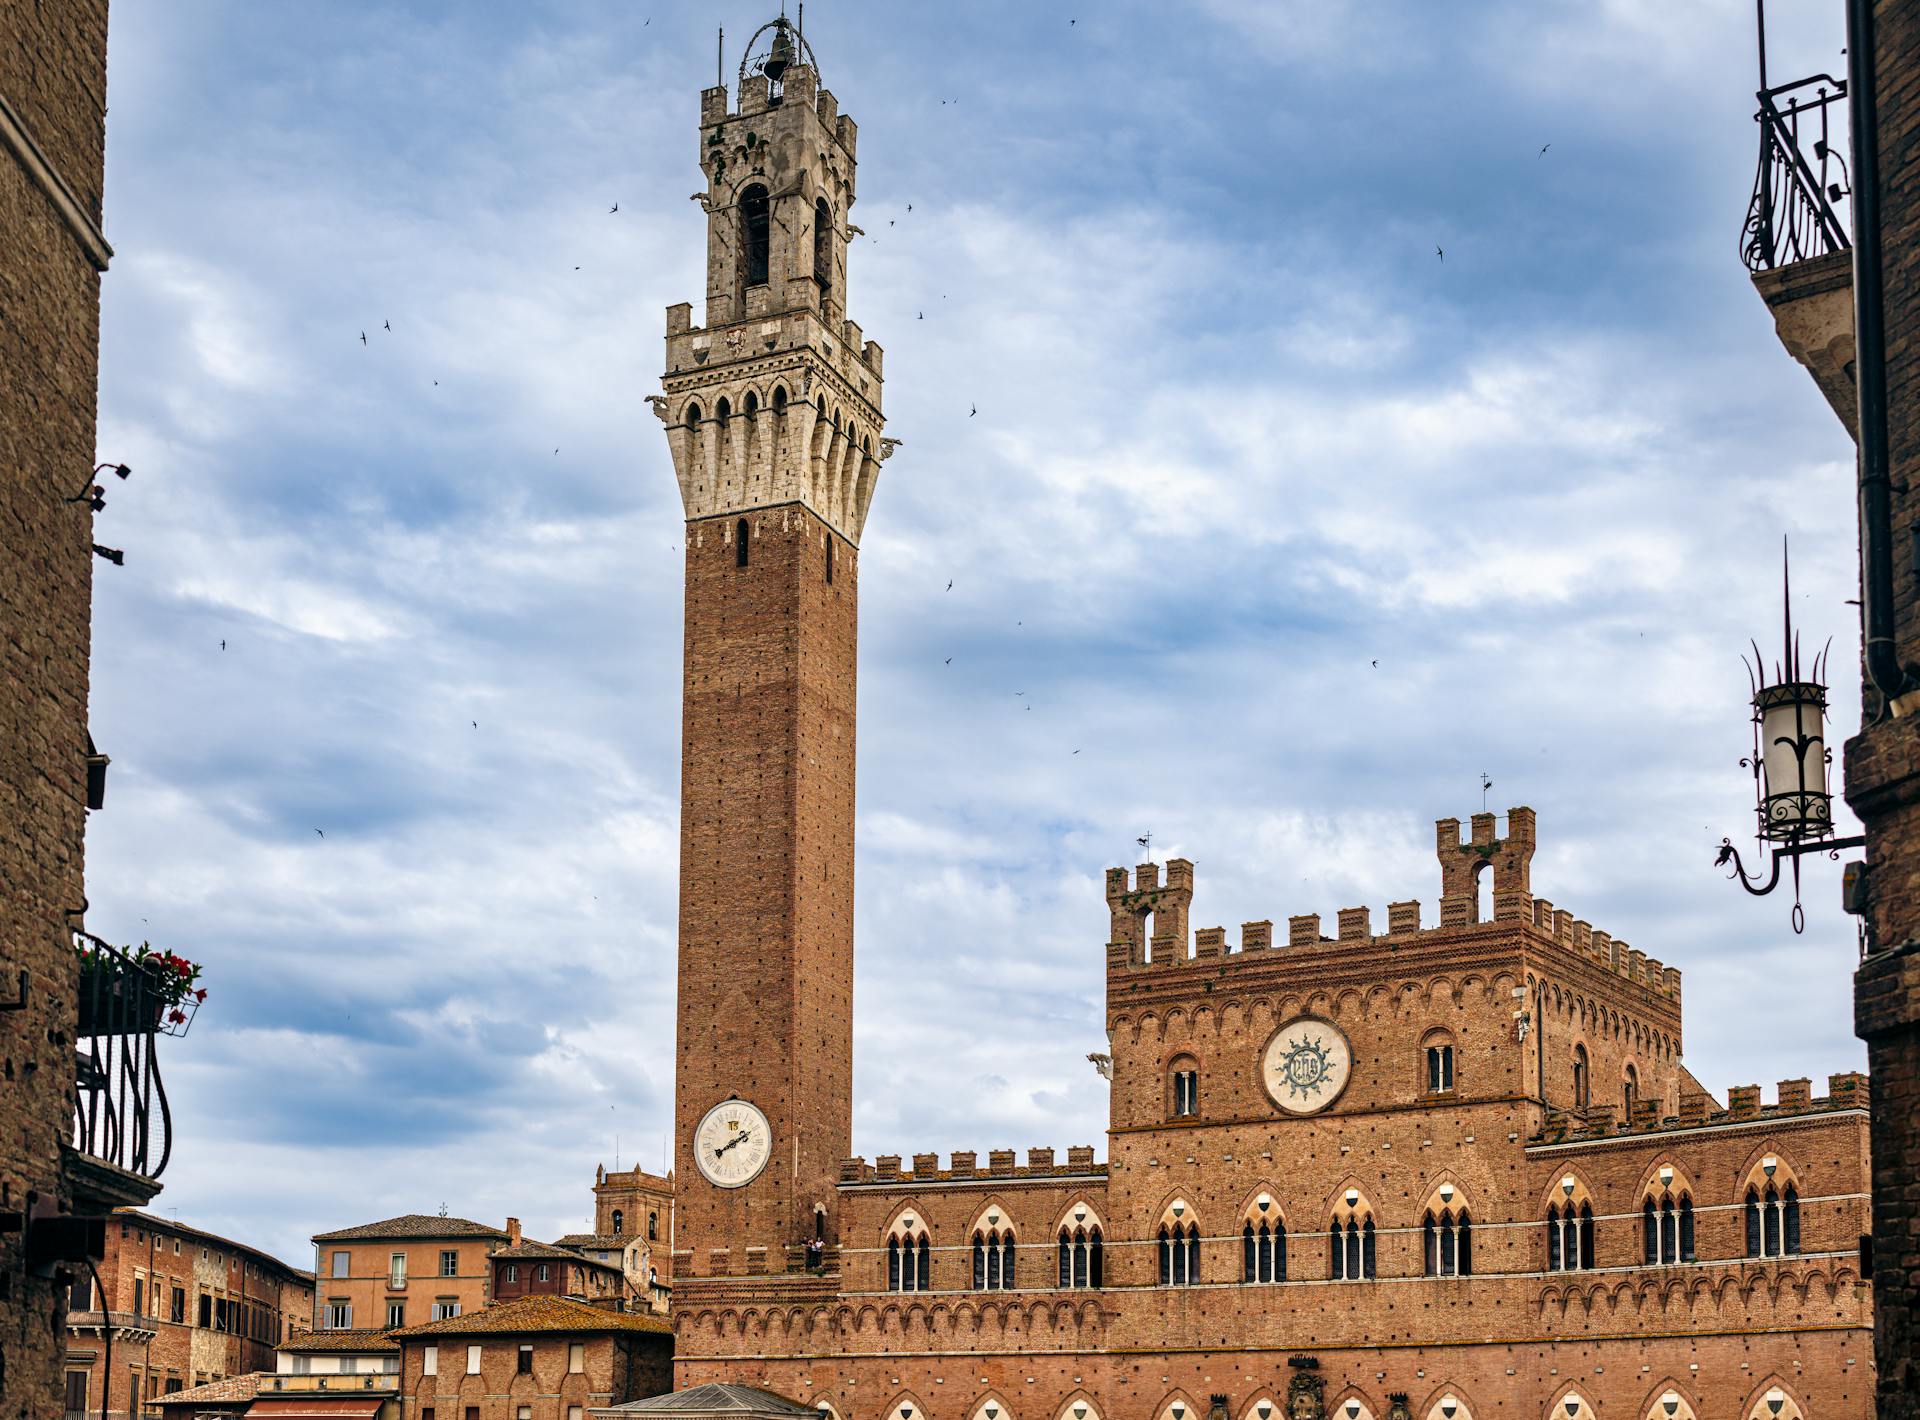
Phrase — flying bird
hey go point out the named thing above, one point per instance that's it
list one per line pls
(386, 325)
(363, 337)
(613, 209)
(1439, 253)
(975, 409)
(948, 661)
(949, 584)
(320, 832)
(1545, 146)
(1376, 665)
(223, 645)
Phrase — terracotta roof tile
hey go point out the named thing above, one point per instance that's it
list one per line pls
(428, 1226)
(233, 1388)
(531, 1316)
(362, 1341)
(610, 1242)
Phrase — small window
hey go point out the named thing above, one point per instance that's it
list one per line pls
(1629, 1095)
(740, 539)
(525, 1412)
(576, 1357)
(449, 1263)
(693, 416)
(430, 1361)
(756, 234)
(396, 1314)
(176, 1306)
(513, 1272)
(1439, 1069)
(1581, 1095)
(619, 1221)
(445, 1309)
(473, 1360)
(542, 1273)
(340, 1263)
(829, 559)
(823, 247)
(1448, 1244)
(523, 1365)
(339, 1315)
(397, 1270)
(1186, 1089)
(653, 1227)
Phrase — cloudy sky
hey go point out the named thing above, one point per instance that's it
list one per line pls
(1242, 434)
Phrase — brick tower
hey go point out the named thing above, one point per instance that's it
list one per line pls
(772, 411)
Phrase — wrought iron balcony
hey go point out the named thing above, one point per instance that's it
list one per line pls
(121, 1116)
(1800, 188)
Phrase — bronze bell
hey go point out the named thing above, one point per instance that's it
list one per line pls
(781, 59)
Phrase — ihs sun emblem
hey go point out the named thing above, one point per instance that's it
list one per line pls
(1306, 1066)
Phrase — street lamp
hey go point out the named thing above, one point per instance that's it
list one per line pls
(1793, 799)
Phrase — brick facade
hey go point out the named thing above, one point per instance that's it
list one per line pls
(183, 1307)
(52, 143)
(1501, 1192)
(1883, 761)
(536, 1359)
(773, 418)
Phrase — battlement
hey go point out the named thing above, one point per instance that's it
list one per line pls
(1041, 1164)
(799, 88)
(1149, 926)
(1793, 1099)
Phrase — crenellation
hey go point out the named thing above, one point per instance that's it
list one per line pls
(1796, 1093)
(1355, 924)
(1256, 936)
(827, 108)
(1403, 918)
(1303, 930)
(1743, 1101)
(1040, 1160)
(1000, 1163)
(925, 1165)
(1583, 936)
(965, 1163)
(1209, 942)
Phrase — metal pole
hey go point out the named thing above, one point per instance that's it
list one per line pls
(1760, 18)
(720, 60)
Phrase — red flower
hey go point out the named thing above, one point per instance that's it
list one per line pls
(201, 994)
(177, 1016)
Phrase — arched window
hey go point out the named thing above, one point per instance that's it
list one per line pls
(1263, 1251)
(756, 234)
(1448, 1239)
(653, 1227)
(1773, 1221)
(1629, 1095)
(779, 399)
(823, 247)
(693, 417)
(1179, 1254)
(1439, 1069)
(1350, 1242)
(993, 1260)
(909, 1259)
(1570, 1237)
(1581, 1097)
(619, 1221)
(741, 536)
(1080, 1256)
(1666, 1227)
(1183, 1088)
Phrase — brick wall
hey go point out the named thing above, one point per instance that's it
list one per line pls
(53, 76)
(614, 1369)
(1883, 762)
(766, 882)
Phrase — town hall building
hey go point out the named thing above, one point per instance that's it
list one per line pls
(1440, 1164)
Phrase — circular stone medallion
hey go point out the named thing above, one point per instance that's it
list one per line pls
(1306, 1065)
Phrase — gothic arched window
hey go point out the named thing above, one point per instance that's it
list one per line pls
(1448, 1239)
(756, 235)
(909, 1260)
(1080, 1260)
(1773, 1221)
(619, 1221)
(1570, 1237)
(1183, 1088)
(1263, 1249)
(1439, 1069)
(1630, 1094)
(1581, 1095)
(653, 1227)
(1179, 1254)
(823, 247)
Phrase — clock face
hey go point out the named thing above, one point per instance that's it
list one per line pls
(1306, 1065)
(732, 1144)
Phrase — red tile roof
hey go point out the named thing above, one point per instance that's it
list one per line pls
(532, 1316)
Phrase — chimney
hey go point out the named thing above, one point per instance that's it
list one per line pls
(513, 1232)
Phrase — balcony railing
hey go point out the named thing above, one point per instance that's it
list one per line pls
(1801, 186)
(121, 1116)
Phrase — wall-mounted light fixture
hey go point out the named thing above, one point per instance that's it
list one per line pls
(1790, 762)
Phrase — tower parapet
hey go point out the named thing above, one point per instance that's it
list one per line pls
(777, 399)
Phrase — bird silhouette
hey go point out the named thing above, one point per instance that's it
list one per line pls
(973, 410)
(476, 724)
(1439, 253)
(1544, 147)
(320, 832)
(948, 661)
(1376, 665)
(363, 337)
(949, 584)
(613, 209)
(386, 325)
(909, 207)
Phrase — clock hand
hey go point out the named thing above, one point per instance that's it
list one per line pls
(739, 1138)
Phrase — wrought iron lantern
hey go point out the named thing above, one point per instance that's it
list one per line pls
(1791, 764)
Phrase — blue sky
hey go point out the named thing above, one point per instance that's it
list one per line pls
(1241, 434)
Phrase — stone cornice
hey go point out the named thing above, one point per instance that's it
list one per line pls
(19, 141)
